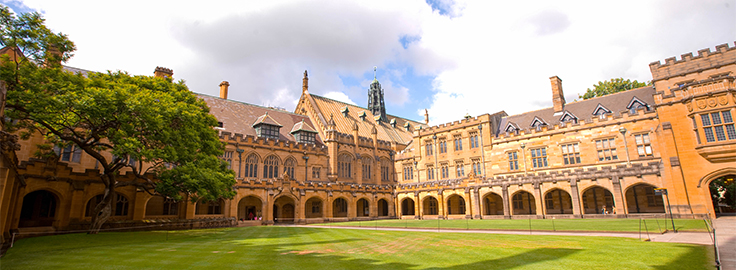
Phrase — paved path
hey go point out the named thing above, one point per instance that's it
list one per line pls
(726, 236)
(700, 238)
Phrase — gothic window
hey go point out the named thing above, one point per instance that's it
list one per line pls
(539, 157)
(571, 153)
(271, 167)
(477, 169)
(316, 172)
(518, 201)
(367, 162)
(445, 171)
(344, 166)
(428, 149)
(513, 161)
(251, 166)
(408, 172)
(289, 167)
(643, 146)
(443, 146)
(119, 204)
(458, 143)
(386, 170)
(316, 205)
(430, 173)
(717, 126)
(228, 157)
(474, 140)
(606, 149)
(171, 207)
(459, 169)
(70, 153)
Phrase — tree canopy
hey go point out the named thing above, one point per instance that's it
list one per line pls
(156, 128)
(611, 86)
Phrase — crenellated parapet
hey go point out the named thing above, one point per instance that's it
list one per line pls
(466, 122)
(688, 64)
(240, 139)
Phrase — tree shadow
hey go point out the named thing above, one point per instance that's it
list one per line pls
(686, 260)
(518, 260)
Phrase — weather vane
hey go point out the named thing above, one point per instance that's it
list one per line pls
(374, 72)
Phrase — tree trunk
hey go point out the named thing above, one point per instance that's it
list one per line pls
(103, 208)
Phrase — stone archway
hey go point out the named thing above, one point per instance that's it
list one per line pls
(523, 203)
(363, 208)
(39, 209)
(595, 199)
(283, 210)
(382, 208)
(313, 208)
(492, 204)
(250, 208)
(641, 198)
(557, 202)
(340, 207)
(407, 207)
(723, 195)
(430, 207)
(455, 205)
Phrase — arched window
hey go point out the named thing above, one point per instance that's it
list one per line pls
(289, 167)
(271, 167)
(251, 166)
(344, 166)
(385, 170)
(367, 161)
(120, 205)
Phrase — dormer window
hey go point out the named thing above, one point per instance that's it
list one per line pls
(393, 123)
(635, 104)
(267, 127)
(568, 117)
(303, 133)
(407, 126)
(362, 115)
(510, 128)
(538, 123)
(601, 111)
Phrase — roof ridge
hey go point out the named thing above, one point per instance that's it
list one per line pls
(246, 103)
(387, 115)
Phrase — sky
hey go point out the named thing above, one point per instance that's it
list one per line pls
(451, 57)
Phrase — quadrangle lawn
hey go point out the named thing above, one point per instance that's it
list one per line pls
(276, 247)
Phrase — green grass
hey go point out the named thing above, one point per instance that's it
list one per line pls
(604, 225)
(316, 248)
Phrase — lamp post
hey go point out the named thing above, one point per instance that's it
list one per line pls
(626, 145)
(240, 159)
(523, 155)
(434, 148)
(482, 155)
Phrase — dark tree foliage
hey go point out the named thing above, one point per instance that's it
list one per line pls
(611, 86)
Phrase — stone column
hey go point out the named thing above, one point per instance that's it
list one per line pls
(575, 198)
(373, 208)
(139, 206)
(477, 211)
(392, 210)
(352, 206)
(417, 206)
(539, 201)
(268, 208)
(300, 211)
(618, 197)
(441, 205)
(506, 202)
(328, 206)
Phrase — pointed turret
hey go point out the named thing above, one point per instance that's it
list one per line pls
(375, 99)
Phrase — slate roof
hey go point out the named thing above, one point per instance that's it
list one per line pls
(582, 110)
(239, 117)
(385, 131)
(302, 126)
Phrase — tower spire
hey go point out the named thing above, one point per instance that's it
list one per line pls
(375, 99)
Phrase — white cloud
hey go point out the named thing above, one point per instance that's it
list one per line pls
(339, 96)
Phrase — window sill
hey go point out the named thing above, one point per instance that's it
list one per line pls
(718, 152)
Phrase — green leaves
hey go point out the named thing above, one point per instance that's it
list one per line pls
(612, 86)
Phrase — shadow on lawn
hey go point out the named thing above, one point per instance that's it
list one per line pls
(685, 261)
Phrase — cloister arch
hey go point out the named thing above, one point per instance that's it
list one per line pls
(210, 207)
(557, 202)
(382, 208)
(523, 203)
(640, 198)
(313, 207)
(39, 209)
(492, 204)
(161, 206)
(120, 205)
(340, 207)
(362, 208)
(284, 210)
(595, 198)
(250, 208)
(455, 205)
(407, 207)
(430, 206)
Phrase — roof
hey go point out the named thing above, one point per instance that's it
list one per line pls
(266, 119)
(301, 126)
(386, 132)
(582, 110)
(239, 117)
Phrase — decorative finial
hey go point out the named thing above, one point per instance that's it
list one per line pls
(305, 73)
(374, 72)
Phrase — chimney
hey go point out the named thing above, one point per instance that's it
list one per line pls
(162, 72)
(558, 97)
(305, 82)
(223, 89)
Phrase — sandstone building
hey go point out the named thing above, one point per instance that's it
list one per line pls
(328, 160)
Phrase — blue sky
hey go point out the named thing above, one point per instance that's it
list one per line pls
(451, 57)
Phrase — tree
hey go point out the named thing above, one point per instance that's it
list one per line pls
(611, 86)
(158, 129)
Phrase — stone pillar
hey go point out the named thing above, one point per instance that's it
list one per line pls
(506, 202)
(268, 208)
(373, 208)
(618, 197)
(352, 207)
(441, 205)
(417, 206)
(190, 209)
(301, 210)
(575, 194)
(358, 172)
(392, 210)
(328, 206)
(477, 211)
(539, 201)
(139, 206)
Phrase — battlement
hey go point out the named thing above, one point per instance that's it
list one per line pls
(724, 55)
(466, 122)
(238, 138)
